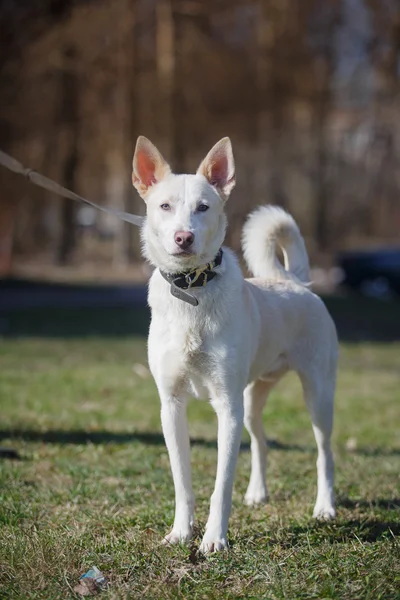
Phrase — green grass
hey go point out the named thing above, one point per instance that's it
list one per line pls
(93, 485)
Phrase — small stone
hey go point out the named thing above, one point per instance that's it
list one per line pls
(351, 444)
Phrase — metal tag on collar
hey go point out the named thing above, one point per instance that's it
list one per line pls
(182, 295)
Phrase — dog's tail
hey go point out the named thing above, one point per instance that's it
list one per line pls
(266, 229)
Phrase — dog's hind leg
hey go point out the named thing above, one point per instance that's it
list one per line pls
(319, 392)
(255, 397)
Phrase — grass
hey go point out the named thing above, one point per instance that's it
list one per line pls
(93, 485)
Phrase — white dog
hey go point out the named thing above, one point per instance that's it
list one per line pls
(215, 334)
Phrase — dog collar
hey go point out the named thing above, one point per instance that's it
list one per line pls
(194, 278)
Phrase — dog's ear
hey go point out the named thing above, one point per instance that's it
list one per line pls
(218, 167)
(148, 166)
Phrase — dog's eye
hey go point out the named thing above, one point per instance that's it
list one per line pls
(165, 206)
(202, 208)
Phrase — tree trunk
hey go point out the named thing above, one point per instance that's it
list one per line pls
(8, 210)
(169, 67)
(133, 203)
(70, 119)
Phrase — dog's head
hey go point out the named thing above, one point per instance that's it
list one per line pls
(185, 223)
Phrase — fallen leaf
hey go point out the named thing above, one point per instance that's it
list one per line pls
(87, 587)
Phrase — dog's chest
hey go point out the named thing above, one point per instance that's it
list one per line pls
(182, 337)
(191, 342)
(184, 342)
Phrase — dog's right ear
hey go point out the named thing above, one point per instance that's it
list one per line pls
(148, 166)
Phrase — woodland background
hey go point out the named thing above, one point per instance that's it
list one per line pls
(308, 91)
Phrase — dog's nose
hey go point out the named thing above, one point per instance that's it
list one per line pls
(184, 239)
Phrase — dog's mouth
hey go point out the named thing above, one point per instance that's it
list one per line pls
(183, 254)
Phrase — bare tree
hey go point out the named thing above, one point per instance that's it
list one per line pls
(69, 118)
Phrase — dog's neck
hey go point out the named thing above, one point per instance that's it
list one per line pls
(197, 277)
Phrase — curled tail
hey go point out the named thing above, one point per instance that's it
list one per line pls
(266, 229)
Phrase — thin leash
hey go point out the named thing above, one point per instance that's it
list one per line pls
(14, 165)
(177, 286)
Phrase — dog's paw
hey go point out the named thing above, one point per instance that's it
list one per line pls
(213, 541)
(177, 537)
(324, 513)
(208, 546)
(256, 498)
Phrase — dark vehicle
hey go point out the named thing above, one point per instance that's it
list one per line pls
(372, 272)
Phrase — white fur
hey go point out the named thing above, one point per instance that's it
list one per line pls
(269, 227)
(237, 343)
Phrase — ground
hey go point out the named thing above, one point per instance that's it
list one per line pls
(93, 485)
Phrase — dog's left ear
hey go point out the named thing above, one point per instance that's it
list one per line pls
(218, 168)
(148, 166)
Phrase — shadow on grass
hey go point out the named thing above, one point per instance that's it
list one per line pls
(59, 436)
(381, 503)
(370, 530)
(10, 454)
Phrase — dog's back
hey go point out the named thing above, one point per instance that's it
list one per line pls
(293, 323)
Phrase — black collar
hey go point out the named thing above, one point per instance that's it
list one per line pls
(194, 278)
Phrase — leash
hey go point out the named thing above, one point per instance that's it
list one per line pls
(179, 282)
(14, 165)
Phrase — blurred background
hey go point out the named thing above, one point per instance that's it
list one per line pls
(308, 91)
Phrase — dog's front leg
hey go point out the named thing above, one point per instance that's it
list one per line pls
(230, 425)
(176, 434)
